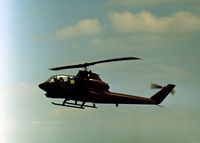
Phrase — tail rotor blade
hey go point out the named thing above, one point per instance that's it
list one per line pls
(173, 92)
(155, 86)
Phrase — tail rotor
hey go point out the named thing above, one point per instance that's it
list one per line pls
(157, 86)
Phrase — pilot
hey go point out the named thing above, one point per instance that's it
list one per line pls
(61, 80)
(68, 79)
(55, 80)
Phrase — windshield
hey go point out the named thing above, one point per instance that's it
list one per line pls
(60, 78)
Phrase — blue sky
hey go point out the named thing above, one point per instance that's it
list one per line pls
(37, 35)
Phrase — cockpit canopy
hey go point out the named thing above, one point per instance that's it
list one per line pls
(60, 78)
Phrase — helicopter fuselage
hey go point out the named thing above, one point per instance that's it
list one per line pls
(88, 87)
(74, 87)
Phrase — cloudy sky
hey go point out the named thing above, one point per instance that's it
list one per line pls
(36, 35)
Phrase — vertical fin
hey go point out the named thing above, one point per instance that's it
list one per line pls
(160, 95)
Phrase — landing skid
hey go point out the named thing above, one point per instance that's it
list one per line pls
(67, 105)
(73, 105)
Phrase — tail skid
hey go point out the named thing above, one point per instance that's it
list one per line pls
(162, 94)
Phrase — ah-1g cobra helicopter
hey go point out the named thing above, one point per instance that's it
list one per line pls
(87, 86)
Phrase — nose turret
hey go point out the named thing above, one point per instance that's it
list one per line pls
(43, 86)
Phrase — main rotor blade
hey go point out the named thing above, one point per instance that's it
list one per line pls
(114, 60)
(93, 63)
(68, 67)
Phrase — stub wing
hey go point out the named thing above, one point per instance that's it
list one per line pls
(118, 98)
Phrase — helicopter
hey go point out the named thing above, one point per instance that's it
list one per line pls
(87, 86)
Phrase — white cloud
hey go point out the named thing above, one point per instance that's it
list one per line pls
(144, 21)
(97, 42)
(36, 123)
(83, 27)
(21, 89)
(142, 2)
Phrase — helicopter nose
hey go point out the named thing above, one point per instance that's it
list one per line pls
(43, 86)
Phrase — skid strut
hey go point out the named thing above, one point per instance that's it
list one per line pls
(74, 105)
